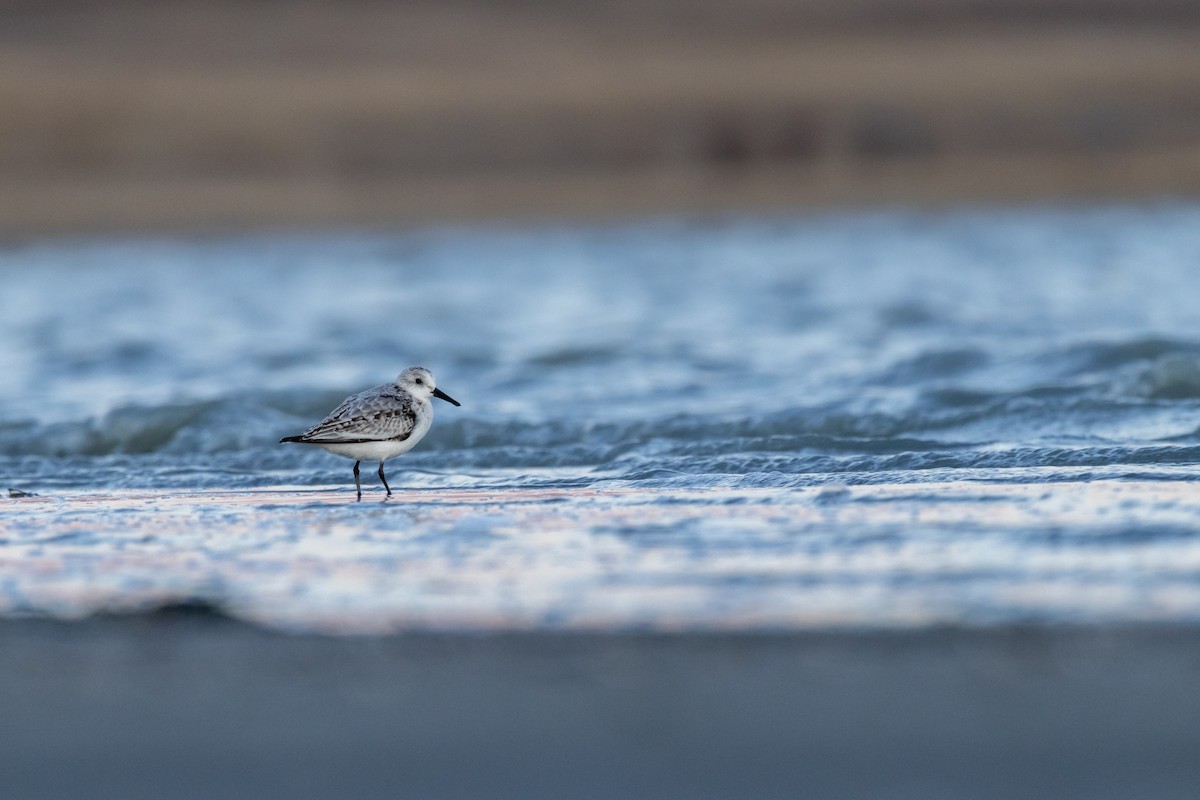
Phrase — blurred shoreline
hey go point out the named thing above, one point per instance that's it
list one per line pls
(130, 116)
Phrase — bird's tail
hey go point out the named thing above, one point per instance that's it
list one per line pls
(291, 439)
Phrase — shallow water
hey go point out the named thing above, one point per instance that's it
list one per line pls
(882, 419)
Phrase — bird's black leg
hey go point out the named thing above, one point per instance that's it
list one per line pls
(389, 489)
(357, 483)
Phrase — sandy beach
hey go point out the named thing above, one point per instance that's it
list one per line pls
(944, 553)
(181, 700)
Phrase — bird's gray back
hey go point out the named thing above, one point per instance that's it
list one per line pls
(384, 412)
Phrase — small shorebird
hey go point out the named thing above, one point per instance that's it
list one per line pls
(380, 423)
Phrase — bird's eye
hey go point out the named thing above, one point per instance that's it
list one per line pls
(420, 382)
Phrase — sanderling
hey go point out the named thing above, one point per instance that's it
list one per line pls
(380, 423)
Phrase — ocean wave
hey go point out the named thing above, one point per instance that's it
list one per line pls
(768, 470)
(1115, 355)
(1149, 368)
(1175, 376)
(209, 426)
(239, 425)
(938, 428)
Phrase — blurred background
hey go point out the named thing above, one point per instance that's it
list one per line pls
(908, 491)
(164, 114)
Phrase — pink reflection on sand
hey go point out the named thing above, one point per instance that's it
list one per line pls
(588, 559)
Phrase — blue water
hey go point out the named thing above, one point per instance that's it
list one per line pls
(783, 364)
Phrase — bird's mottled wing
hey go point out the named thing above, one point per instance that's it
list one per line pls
(378, 414)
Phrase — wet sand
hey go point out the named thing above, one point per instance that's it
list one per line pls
(182, 701)
(185, 704)
(1063, 545)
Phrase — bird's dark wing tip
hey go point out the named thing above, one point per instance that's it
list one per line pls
(291, 439)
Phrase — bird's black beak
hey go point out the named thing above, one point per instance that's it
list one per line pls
(446, 397)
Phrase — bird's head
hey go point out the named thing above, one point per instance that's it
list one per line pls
(420, 382)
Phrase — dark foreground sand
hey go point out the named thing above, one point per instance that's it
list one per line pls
(193, 705)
